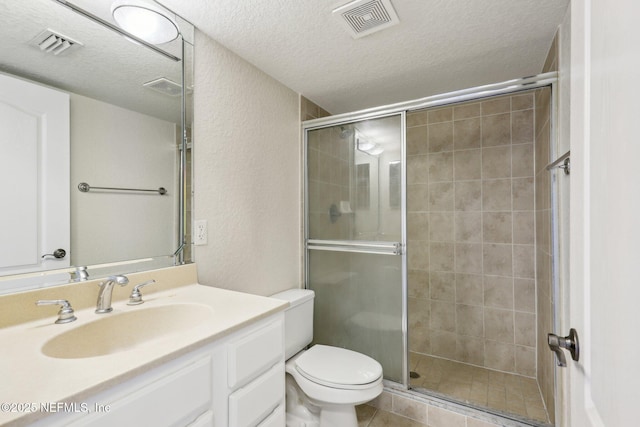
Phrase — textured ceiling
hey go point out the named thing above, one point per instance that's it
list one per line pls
(107, 67)
(439, 45)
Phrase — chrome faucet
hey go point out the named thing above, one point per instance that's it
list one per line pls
(106, 290)
(80, 274)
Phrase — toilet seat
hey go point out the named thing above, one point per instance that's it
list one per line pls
(338, 367)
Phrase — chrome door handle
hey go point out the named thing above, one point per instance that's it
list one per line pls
(570, 342)
(58, 254)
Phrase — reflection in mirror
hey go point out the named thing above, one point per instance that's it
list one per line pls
(367, 194)
(395, 182)
(363, 186)
(350, 190)
(378, 175)
(80, 103)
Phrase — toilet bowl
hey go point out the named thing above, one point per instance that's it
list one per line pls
(324, 383)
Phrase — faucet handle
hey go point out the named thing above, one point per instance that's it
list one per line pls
(136, 296)
(65, 315)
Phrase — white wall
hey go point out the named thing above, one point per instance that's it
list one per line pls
(246, 174)
(115, 147)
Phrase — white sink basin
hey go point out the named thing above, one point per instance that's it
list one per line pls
(115, 332)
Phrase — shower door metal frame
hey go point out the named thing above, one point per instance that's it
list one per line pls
(560, 294)
(365, 247)
(548, 79)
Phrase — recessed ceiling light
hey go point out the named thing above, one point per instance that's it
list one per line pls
(144, 21)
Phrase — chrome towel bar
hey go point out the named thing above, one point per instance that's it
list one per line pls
(85, 188)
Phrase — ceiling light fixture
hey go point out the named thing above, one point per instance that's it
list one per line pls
(376, 150)
(144, 21)
(366, 145)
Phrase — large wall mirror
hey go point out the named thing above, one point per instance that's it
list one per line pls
(95, 140)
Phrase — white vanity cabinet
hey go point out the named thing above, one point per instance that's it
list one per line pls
(236, 381)
(255, 369)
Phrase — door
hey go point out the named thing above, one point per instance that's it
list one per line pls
(355, 261)
(34, 170)
(605, 255)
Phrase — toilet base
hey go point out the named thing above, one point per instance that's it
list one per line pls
(304, 412)
(329, 417)
(338, 416)
(300, 412)
(295, 421)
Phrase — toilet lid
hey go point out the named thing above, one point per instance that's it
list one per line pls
(337, 366)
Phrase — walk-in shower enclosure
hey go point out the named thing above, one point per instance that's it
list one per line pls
(428, 242)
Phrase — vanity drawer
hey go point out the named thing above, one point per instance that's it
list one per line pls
(254, 353)
(276, 419)
(161, 402)
(252, 403)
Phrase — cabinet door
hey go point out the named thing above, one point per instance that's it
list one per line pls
(204, 420)
(276, 419)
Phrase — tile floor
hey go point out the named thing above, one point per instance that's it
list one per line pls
(478, 386)
(368, 416)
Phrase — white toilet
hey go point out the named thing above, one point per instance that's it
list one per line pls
(324, 384)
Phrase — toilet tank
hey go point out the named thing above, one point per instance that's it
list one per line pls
(298, 319)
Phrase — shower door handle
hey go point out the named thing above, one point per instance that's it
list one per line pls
(570, 343)
(359, 246)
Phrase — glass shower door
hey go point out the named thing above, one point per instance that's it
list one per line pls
(355, 238)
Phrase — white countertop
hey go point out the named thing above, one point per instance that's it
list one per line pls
(27, 375)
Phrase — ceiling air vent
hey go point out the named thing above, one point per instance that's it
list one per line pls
(165, 86)
(49, 41)
(363, 17)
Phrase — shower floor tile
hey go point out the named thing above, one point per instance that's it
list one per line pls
(500, 391)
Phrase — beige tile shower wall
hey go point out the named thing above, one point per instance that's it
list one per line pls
(309, 110)
(326, 178)
(470, 183)
(328, 161)
(545, 305)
